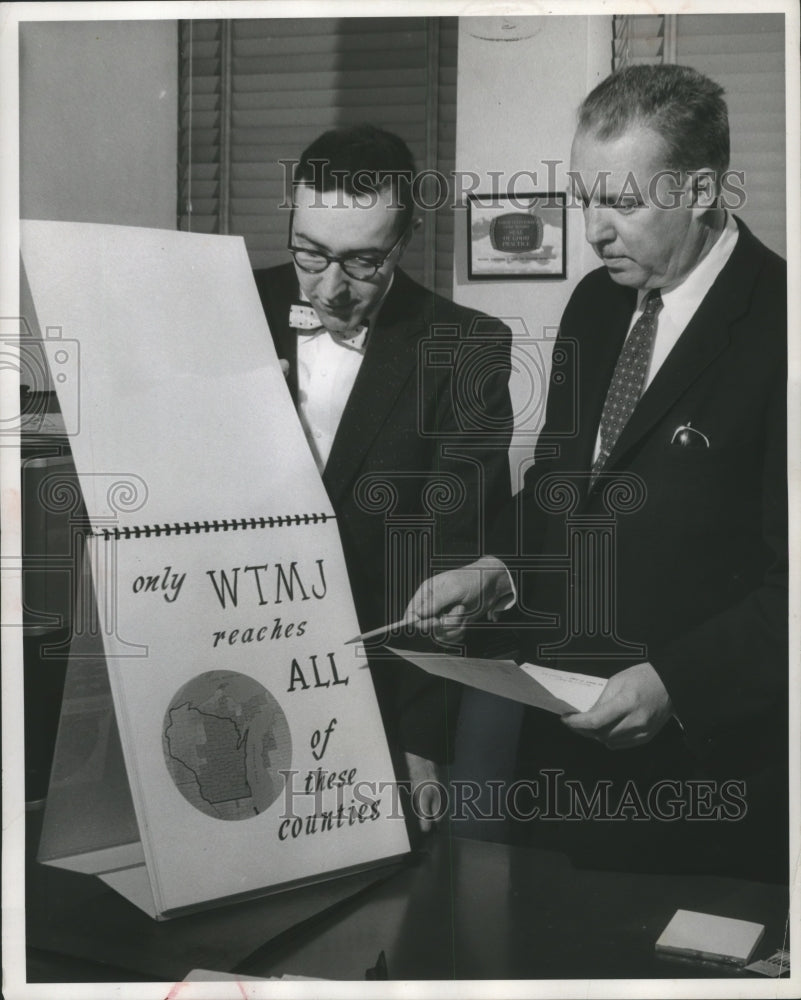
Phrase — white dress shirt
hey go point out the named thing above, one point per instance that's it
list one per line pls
(680, 302)
(327, 370)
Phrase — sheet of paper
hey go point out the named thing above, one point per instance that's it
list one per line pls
(774, 966)
(166, 375)
(581, 691)
(527, 684)
(248, 726)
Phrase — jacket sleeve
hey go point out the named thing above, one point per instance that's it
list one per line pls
(475, 421)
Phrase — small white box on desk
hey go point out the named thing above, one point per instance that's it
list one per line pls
(709, 938)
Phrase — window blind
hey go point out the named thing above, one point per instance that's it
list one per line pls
(255, 92)
(643, 39)
(744, 53)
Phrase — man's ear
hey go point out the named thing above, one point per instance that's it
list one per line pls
(704, 189)
(414, 225)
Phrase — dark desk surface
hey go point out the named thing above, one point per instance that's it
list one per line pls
(476, 910)
(464, 909)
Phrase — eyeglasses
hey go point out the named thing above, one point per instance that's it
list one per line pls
(357, 265)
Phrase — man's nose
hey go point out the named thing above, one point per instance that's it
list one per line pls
(333, 281)
(598, 224)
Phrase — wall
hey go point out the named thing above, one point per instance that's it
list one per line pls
(98, 121)
(516, 108)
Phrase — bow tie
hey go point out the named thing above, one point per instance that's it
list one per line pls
(304, 319)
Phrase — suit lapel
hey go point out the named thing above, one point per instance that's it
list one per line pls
(389, 361)
(704, 339)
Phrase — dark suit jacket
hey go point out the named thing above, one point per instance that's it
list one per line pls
(418, 464)
(699, 543)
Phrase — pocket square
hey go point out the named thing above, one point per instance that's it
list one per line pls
(687, 436)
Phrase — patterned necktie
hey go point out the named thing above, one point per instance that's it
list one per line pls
(628, 379)
(304, 319)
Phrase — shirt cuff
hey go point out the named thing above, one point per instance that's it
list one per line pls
(506, 599)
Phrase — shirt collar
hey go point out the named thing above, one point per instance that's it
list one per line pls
(681, 300)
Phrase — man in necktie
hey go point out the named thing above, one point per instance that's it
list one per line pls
(415, 464)
(654, 533)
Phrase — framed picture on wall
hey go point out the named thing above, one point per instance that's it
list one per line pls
(516, 236)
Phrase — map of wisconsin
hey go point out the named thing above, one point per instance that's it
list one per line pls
(225, 739)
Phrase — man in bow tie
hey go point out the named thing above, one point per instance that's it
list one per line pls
(415, 462)
(654, 539)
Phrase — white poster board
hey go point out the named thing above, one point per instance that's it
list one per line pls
(253, 745)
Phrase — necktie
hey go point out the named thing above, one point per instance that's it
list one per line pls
(304, 319)
(628, 379)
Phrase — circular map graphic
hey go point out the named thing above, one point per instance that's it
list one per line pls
(225, 739)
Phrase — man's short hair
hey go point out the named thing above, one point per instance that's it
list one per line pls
(683, 106)
(360, 160)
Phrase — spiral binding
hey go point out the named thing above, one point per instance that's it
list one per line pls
(194, 527)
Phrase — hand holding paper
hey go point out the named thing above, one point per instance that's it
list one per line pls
(633, 708)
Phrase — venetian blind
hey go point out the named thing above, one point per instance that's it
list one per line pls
(643, 39)
(255, 92)
(744, 53)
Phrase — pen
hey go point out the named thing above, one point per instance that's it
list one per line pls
(420, 625)
(384, 629)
